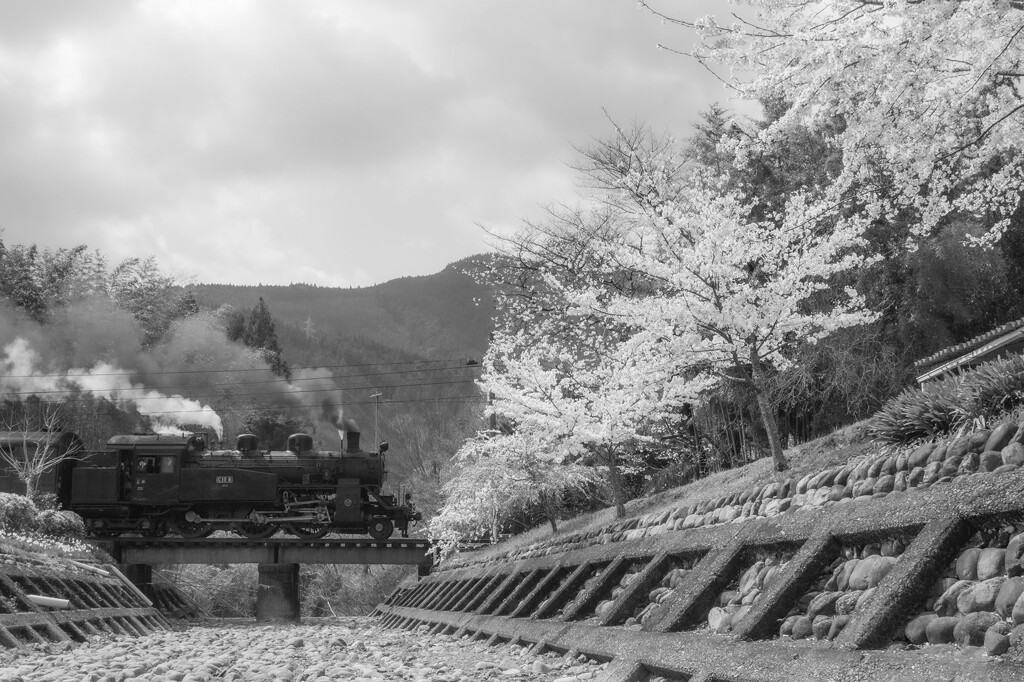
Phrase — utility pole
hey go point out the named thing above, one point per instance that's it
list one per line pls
(376, 405)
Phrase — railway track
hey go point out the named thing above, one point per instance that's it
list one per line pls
(274, 550)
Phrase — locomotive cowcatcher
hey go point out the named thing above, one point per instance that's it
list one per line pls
(158, 484)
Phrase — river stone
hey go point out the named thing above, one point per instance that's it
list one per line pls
(915, 477)
(843, 579)
(969, 464)
(787, 626)
(881, 568)
(978, 439)
(1016, 635)
(844, 474)
(885, 484)
(899, 483)
(820, 626)
(803, 628)
(950, 466)
(916, 630)
(801, 486)
(1001, 436)
(892, 548)
(862, 572)
(980, 596)
(719, 618)
(989, 461)
(938, 454)
(941, 630)
(967, 563)
(901, 460)
(958, 447)
(875, 470)
(931, 473)
(865, 597)
(946, 604)
(970, 631)
(919, 455)
(847, 603)
(1011, 560)
(824, 604)
(838, 623)
(1017, 614)
(1009, 593)
(996, 643)
(991, 563)
(1013, 454)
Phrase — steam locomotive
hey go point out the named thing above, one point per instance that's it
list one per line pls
(159, 484)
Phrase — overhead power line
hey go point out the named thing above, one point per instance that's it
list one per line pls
(463, 399)
(119, 392)
(458, 364)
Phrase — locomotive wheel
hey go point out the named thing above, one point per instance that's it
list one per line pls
(192, 529)
(256, 531)
(381, 529)
(307, 531)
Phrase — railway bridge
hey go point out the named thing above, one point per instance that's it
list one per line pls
(279, 559)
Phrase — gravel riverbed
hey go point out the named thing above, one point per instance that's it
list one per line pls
(323, 651)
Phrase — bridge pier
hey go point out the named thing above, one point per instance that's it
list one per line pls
(277, 596)
(141, 576)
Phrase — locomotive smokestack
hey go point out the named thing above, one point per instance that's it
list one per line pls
(350, 436)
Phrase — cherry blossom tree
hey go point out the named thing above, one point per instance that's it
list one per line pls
(925, 98)
(734, 291)
(497, 475)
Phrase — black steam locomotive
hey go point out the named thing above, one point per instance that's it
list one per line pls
(158, 484)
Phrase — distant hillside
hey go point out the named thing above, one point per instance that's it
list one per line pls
(439, 316)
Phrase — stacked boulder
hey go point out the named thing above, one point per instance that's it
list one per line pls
(735, 601)
(844, 587)
(980, 600)
(589, 584)
(605, 606)
(986, 451)
(671, 582)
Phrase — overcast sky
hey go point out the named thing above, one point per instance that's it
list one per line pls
(330, 142)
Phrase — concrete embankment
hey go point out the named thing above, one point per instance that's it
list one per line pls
(903, 565)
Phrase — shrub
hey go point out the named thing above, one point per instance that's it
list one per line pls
(950, 404)
(17, 513)
(58, 523)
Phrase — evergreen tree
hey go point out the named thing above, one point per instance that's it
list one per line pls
(261, 334)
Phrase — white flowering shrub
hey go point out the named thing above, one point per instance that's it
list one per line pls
(17, 513)
(41, 548)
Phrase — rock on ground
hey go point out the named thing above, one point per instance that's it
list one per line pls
(348, 649)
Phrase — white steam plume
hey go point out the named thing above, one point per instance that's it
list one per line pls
(107, 381)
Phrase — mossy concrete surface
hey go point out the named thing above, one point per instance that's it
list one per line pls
(935, 521)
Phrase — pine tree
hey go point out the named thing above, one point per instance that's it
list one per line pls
(260, 333)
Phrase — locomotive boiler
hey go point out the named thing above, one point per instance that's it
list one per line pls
(158, 484)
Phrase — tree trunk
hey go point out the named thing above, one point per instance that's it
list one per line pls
(549, 510)
(615, 482)
(764, 406)
(30, 487)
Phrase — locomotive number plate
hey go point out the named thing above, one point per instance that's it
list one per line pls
(225, 480)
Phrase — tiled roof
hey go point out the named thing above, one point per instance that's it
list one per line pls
(967, 346)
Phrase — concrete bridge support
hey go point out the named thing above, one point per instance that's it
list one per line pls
(277, 596)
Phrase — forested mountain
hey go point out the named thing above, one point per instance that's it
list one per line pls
(444, 315)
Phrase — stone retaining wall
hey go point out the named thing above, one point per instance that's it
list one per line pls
(97, 604)
(900, 566)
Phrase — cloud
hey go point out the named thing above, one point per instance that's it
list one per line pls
(254, 142)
